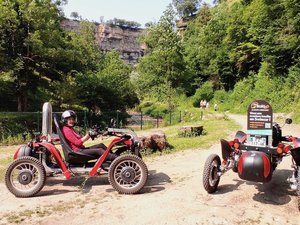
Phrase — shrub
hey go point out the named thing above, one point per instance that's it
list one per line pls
(205, 92)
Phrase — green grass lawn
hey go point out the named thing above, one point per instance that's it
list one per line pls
(214, 129)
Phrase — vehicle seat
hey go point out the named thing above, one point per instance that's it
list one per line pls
(276, 135)
(71, 156)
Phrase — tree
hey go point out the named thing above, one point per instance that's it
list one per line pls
(30, 39)
(123, 23)
(82, 60)
(112, 88)
(75, 15)
(186, 7)
(204, 50)
(273, 27)
(162, 70)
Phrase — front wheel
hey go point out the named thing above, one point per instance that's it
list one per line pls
(25, 177)
(210, 173)
(124, 150)
(128, 174)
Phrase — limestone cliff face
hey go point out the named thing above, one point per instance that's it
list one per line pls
(182, 25)
(124, 40)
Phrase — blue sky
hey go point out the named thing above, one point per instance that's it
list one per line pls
(141, 11)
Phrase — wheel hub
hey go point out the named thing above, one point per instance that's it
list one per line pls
(128, 174)
(214, 175)
(25, 177)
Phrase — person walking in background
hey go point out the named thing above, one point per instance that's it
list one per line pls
(201, 104)
(204, 104)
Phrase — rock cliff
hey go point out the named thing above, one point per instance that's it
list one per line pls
(107, 37)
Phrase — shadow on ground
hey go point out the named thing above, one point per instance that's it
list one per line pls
(275, 192)
(84, 184)
(156, 182)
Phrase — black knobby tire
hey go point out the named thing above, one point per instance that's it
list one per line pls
(210, 177)
(25, 177)
(128, 174)
(125, 152)
(298, 186)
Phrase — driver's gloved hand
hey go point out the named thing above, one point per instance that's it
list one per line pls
(93, 134)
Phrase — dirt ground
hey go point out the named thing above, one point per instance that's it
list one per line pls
(173, 195)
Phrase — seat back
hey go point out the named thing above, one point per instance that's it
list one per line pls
(70, 155)
(226, 149)
(276, 135)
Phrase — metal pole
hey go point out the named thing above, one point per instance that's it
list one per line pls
(84, 120)
(38, 121)
(170, 117)
(141, 120)
(47, 121)
(117, 119)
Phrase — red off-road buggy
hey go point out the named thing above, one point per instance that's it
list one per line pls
(254, 158)
(33, 162)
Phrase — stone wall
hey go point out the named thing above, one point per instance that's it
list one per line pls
(124, 40)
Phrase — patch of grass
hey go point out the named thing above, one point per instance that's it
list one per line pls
(5, 161)
(214, 130)
(14, 139)
(8, 149)
(19, 217)
(3, 164)
(42, 211)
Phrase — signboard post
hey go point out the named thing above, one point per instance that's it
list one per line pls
(259, 123)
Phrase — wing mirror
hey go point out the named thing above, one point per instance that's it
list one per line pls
(288, 120)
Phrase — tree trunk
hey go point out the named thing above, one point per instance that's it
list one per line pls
(156, 140)
(22, 101)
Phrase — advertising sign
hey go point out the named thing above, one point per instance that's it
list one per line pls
(260, 115)
(259, 122)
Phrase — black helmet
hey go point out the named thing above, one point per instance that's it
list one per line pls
(66, 114)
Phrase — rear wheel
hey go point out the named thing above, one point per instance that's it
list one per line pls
(128, 174)
(210, 173)
(25, 177)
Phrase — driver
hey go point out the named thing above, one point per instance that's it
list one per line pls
(75, 140)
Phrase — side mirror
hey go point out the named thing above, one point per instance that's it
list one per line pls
(288, 121)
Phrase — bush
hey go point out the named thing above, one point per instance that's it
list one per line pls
(238, 99)
(14, 127)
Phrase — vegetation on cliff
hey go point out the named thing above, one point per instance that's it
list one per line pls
(230, 54)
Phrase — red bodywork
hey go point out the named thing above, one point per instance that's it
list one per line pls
(254, 166)
(102, 158)
(56, 153)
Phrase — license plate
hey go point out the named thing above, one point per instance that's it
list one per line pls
(258, 141)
